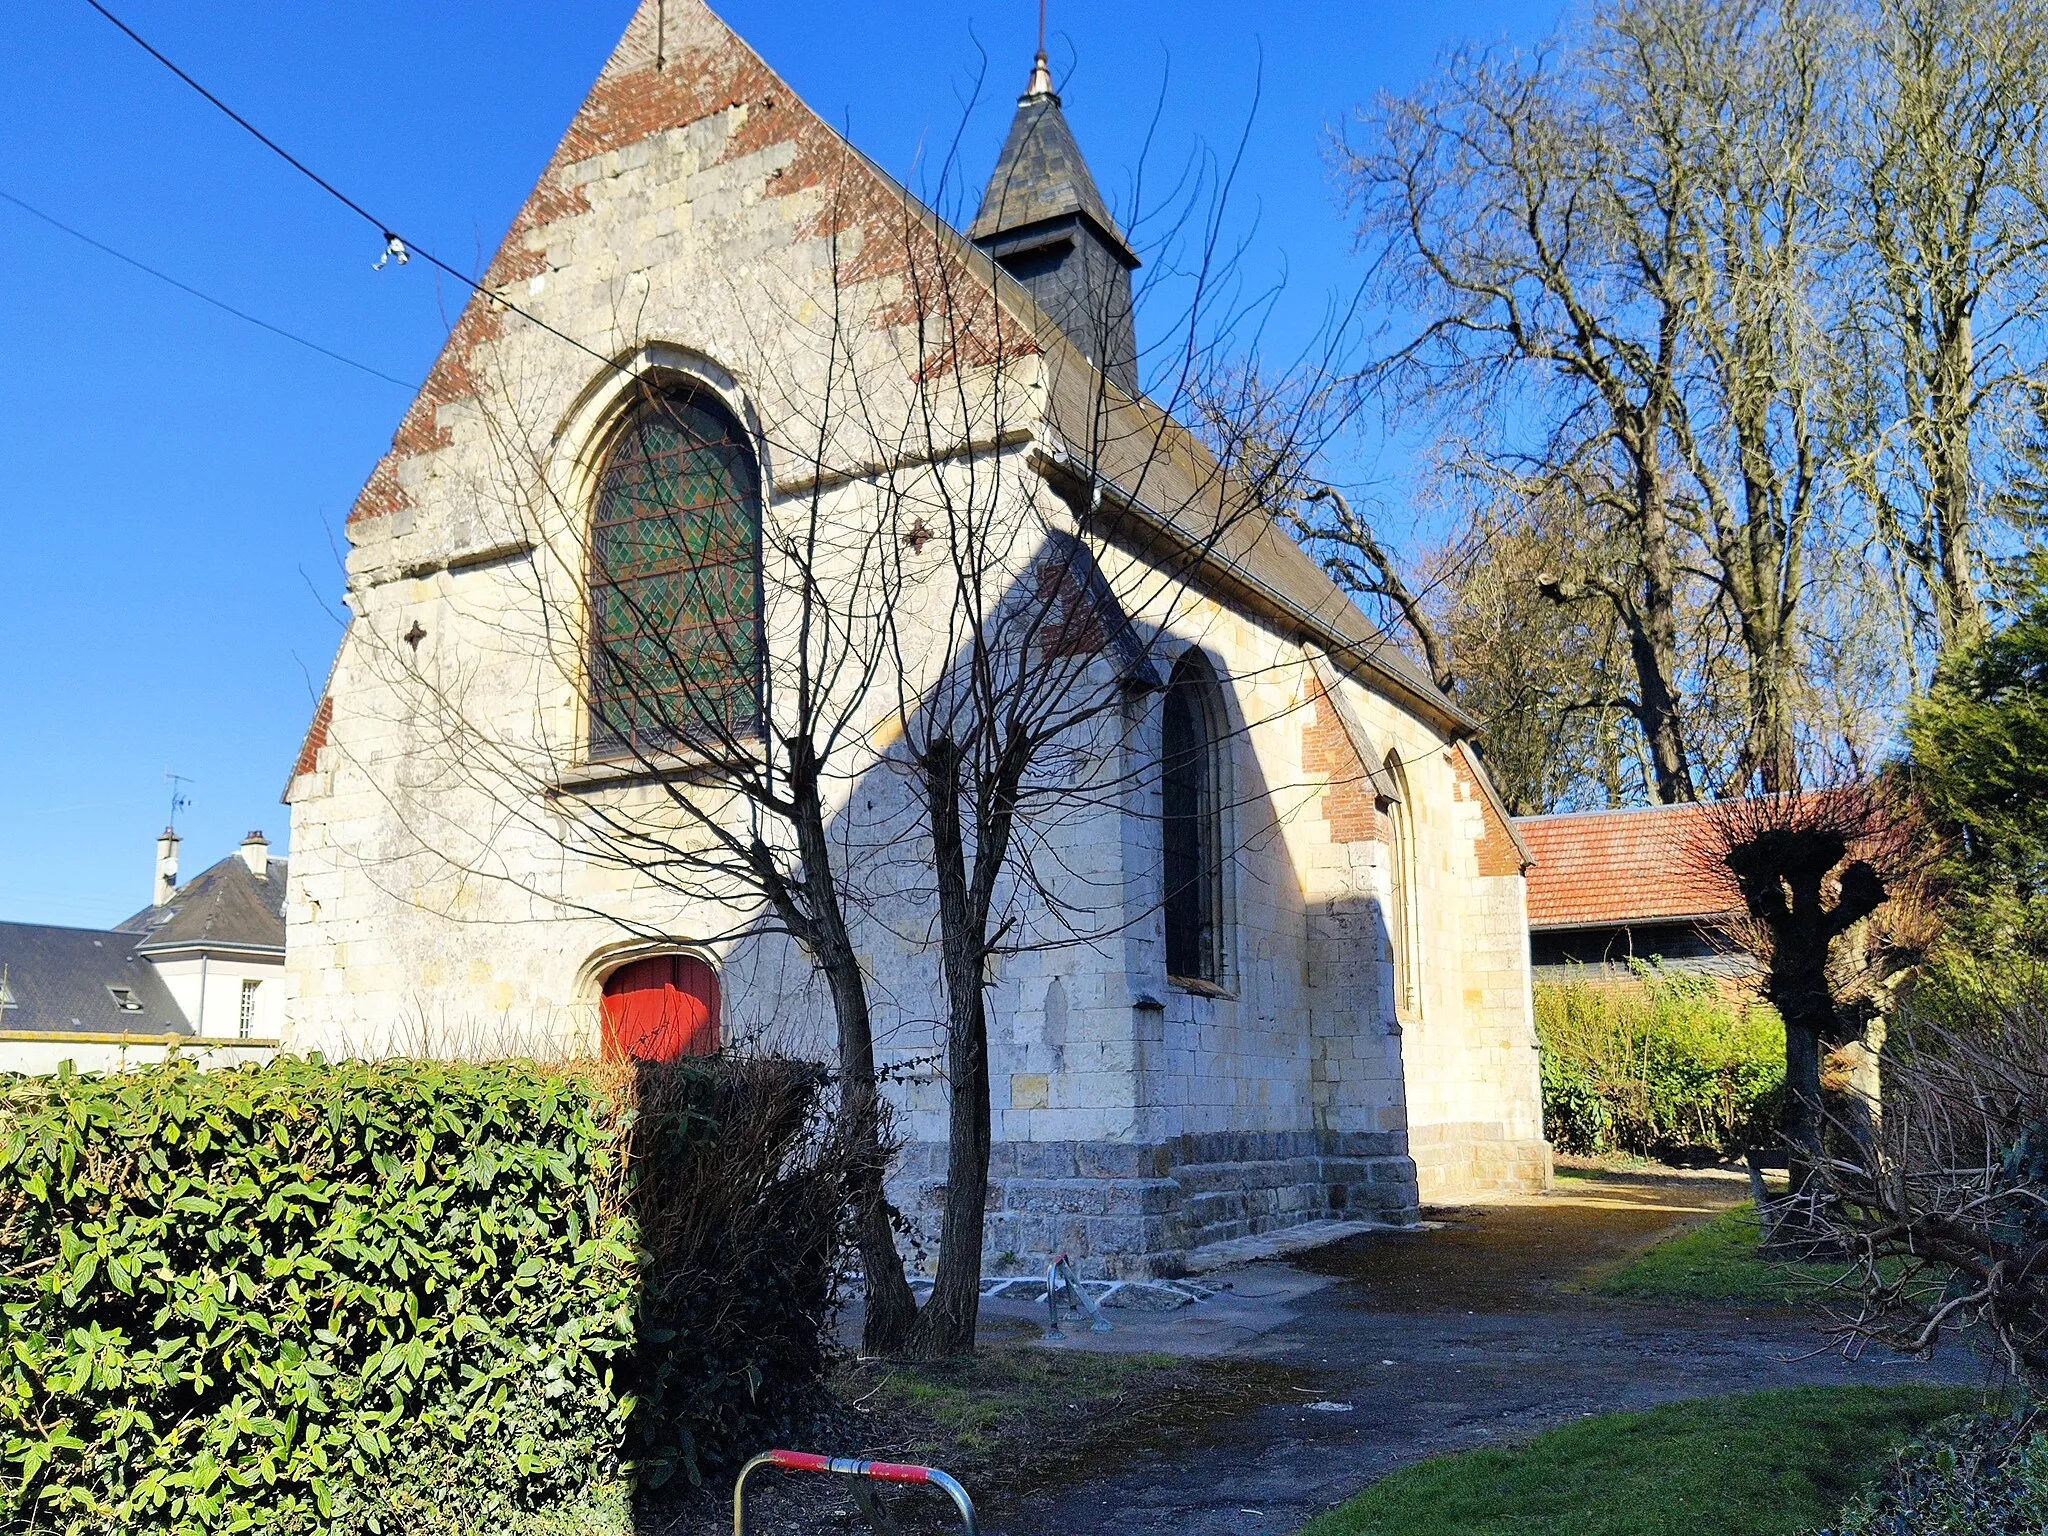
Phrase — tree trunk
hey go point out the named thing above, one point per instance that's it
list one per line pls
(890, 1309)
(1653, 641)
(949, 1320)
(1800, 1120)
(1959, 607)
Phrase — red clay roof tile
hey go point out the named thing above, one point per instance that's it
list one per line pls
(1598, 868)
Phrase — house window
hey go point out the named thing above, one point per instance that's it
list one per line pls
(245, 1021)
(660, 1008)
(675, 580)
(1191, 822)
(1403, 910)
(126, 1000)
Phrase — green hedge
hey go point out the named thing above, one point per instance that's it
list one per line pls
(408, 1296)
(1657, 1063)
(1983, 1474)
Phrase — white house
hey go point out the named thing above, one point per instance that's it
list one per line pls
(200, 970)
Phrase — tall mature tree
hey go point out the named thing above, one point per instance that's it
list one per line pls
(1951, 204)
(1492, 201)
(1978, 760)
(1744, 94)
(1613, 249)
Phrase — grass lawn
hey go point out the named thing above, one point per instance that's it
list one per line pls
(1718, 1262)
(1769, 1464)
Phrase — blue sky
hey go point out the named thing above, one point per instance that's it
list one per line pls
(173, 481)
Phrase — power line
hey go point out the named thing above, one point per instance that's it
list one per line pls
(393, 245)
(183, 287)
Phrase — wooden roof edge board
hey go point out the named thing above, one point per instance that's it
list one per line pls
(1485, 781)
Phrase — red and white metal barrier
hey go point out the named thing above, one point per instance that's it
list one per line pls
(847, 1466)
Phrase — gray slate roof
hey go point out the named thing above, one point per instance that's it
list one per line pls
(1040, 175)
(62, 979)
(226, 907)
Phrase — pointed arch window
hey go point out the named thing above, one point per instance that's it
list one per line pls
(1404, 915)
(675, 579)
(1191, 822)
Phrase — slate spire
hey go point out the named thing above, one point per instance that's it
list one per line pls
(1045, 223)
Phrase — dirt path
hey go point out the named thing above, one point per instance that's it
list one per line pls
(1440, 1341)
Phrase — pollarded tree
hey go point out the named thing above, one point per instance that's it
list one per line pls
(1813, 872)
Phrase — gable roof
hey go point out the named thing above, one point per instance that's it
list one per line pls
(1597, 869)
(62, 979)
(1168, 479)
(677, 64)
(224, 908)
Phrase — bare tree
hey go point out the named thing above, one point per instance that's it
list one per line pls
(684, 703)
(1622, 260)
(1951, 208)
(1945, 1210)
(1046, 630)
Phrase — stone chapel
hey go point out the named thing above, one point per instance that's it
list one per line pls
(1280, 969)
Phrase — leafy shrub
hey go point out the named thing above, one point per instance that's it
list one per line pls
(1981, 1475)
(1655, 1064)
(413, 1296)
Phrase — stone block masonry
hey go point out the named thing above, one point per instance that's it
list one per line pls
(701, 227)
(1123, 1210)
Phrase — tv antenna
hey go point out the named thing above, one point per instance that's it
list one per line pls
(179, 799)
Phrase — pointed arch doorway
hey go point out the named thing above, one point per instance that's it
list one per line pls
(660, 1008)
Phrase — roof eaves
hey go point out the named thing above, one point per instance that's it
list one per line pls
(1343, 650)
(1628, 920)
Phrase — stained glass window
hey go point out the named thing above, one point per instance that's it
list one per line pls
(675, 582)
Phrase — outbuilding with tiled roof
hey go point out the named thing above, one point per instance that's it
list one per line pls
(1608, 888)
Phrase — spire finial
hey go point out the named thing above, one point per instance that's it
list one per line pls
(1041, 81)
(1041, 72)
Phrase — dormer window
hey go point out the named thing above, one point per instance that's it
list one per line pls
(125, 999)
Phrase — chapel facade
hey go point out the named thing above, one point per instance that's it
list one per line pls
(724, 383)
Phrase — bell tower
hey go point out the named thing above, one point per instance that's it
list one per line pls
(1045, 223)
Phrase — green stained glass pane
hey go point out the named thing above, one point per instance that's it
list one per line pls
(675, 594)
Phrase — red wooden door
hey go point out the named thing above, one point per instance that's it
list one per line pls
(661, 1008)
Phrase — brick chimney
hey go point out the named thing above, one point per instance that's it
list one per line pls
(256, 854)
(166, 867)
